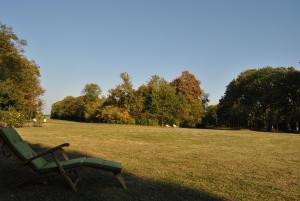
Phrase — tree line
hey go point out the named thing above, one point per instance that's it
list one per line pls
(260, 99)
(158, 102)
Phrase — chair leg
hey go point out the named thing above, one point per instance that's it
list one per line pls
(69, 181)
(76, 176)
(121, 180)
(64, 173)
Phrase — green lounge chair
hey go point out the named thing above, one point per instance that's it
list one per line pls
(13, 145)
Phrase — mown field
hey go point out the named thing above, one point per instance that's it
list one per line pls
(164, 164)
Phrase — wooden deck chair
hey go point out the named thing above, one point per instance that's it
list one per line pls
(13, 145)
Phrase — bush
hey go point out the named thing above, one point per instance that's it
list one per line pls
(114, 115)
(2, 125)
(152, 122)
(146, 119)
(11, 118)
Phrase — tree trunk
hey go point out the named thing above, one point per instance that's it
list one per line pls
(288, 126)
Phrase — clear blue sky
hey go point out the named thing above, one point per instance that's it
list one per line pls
(78, 42)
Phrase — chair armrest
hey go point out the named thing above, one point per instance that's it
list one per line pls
(52, 150)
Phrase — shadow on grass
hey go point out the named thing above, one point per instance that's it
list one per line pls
(95, 185)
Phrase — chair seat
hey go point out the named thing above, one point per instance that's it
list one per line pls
(73, 163)
(103, 164)
(84, 161)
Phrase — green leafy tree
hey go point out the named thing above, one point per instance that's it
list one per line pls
(164, 102)
(19, 78)
(123, 95)
(265, 99)
(70, 108)
(91, 91)
(155, 103)
(210, 118)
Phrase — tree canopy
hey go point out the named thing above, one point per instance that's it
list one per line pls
(267, 98)
(194, 99)
(264, 99)
(91, 91)
(19, 78)
(157, 102)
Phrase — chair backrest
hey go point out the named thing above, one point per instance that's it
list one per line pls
(20, 148)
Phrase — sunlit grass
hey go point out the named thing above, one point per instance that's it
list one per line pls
(236, 165)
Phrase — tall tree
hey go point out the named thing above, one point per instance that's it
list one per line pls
(162, 101)
(122, 96)
(156, 103)
(92, 91)
(19, 78)
(188, 86)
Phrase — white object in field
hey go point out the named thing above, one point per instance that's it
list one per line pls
(34, 120)
(174, 126)
(45, 120)
(167, 126)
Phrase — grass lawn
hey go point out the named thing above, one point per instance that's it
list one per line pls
(165, 164)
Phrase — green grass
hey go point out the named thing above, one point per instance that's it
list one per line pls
(167, 163)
